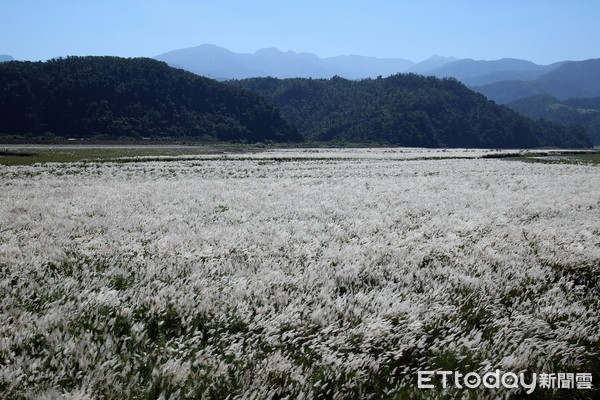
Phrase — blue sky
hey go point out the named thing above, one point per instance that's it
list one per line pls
(543, 31)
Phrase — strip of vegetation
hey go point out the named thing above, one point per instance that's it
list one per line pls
(591, 157)
(15, 154)
(108, 153)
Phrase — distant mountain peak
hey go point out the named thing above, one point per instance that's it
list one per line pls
(271, 50)
(431, 63)
(218, 62)
(437, 57)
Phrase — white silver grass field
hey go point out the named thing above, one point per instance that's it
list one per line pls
(295, 274)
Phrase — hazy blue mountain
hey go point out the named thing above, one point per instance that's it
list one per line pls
(4, 58)
(584, 112)
(220, 63)
(211, 61)
(358, 67)
(569, 80)
(480, 72)
(288, 64)
(573, 79)
(499, 76)
(431, 63)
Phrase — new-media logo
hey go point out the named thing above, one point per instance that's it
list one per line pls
(509, 380)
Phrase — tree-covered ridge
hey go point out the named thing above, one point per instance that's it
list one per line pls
(111, 97)
(574, 79)
(583, 112)
(406, 110)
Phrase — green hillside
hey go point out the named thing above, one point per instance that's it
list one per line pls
(406, 110)
(116, 98)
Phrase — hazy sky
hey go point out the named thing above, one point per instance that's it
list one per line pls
(543, 31)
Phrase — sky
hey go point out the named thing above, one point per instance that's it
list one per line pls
(543, 31)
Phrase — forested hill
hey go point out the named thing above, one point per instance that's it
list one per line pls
(111, 98)
(406, 110)
(583, 112)
(117, 98)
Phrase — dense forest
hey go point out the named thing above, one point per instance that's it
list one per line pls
(406, 110)
(583, 112)
(117, 98)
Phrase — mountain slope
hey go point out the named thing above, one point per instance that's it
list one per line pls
(431, 63)
(584, 112)
(220, 63)
(406, 110)
(573, 79)
(4, 58)
(569, 80)
(111, 97)
(211, 61)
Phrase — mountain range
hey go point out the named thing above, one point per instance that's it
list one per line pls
(480, 72)
(222, 64)
(502, 80)
(528, 88)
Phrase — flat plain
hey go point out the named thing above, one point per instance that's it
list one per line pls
(299, 273)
